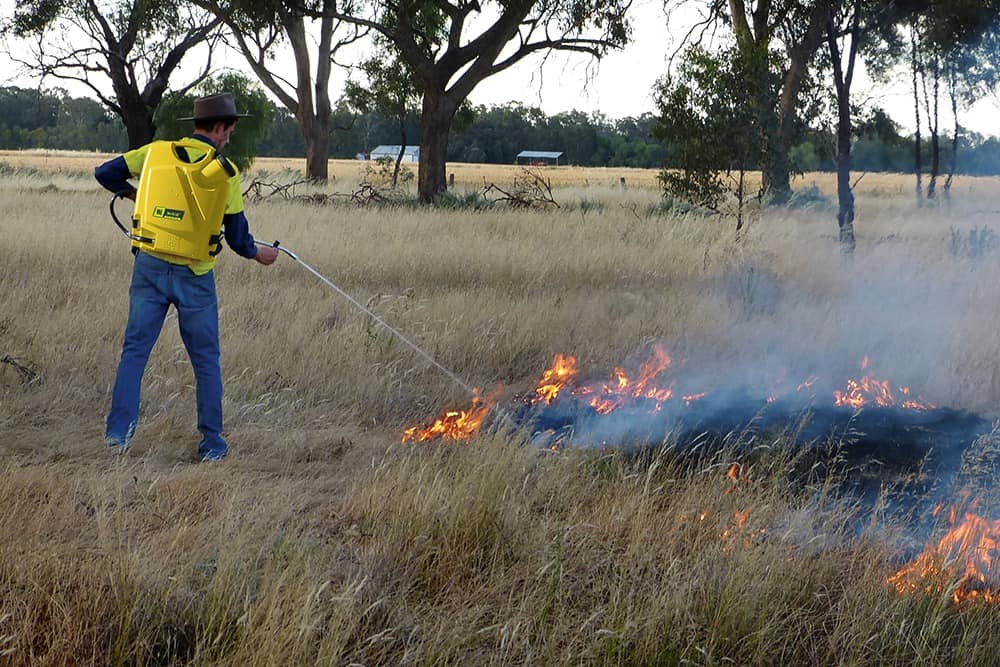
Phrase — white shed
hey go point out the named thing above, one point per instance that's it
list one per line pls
(411, 154)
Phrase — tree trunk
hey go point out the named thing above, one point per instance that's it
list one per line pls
(752, 39)
(953, 166)
(139, 127)
(845, 197)
(740, 195)
(315, 133)
(311, 100)
(318, 161)
(777, 177)
(842, 80)
(317, 140)
(135, 114)
(402, 148)
(778, 171)
(435, 124)
(918, 167)
(933, 126)
(772, 177)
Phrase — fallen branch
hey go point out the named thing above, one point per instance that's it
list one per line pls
(531, 190)
(28, 376)
(367, 194)
(258, 191)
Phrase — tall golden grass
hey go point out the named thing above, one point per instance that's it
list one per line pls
(322, 540)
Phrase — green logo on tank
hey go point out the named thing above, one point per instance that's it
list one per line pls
(168, 213)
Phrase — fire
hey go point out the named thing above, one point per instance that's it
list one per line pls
(454, 424)
(554, 379)
(648, 389)
(963, 562)
(609, 396)
(739, 528)
(869, 391)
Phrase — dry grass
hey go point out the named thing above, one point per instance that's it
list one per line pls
(345, 174)
(322, 540)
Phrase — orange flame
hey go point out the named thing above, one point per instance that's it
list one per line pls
(455, 424)
(646, 387)
(868, 391)
(739, 528)
(963, 562)
(609, 396)
(554, 379)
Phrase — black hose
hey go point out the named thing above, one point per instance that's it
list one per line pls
(114, 216)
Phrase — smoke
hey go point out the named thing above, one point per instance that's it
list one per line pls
(785, 351)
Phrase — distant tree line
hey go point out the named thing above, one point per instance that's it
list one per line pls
(491, 134)
(52, 119)
(761, 85)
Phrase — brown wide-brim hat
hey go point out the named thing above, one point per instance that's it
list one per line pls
(215, 107)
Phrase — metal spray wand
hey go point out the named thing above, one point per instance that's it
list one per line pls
(277, 246)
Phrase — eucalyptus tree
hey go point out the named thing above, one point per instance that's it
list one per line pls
(709, 122)
(451, 46)
(843, 37)
(857, 29)
(136, 46)
(259, 29)
(794, 29)
(953, 46)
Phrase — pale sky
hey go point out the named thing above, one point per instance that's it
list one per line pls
(621, 85)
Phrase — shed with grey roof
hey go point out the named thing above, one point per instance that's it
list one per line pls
(539, 158)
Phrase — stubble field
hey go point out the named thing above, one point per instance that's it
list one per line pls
(323, 540)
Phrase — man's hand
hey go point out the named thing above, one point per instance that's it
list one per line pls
(266, 255)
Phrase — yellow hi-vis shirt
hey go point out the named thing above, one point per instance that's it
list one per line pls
(135, 159)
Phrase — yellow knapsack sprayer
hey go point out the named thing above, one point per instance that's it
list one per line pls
(181, 199)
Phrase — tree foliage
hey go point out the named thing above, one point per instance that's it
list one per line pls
(250, 99)
(31, 118)
(708, 117)
(124, 51)
(313, 36)
(790, 32)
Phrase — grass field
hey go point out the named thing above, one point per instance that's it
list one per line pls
(323, 540)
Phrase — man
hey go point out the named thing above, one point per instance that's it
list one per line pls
(183, 277)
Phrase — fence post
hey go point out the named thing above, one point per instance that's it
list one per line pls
(624, 187)
(451, 180)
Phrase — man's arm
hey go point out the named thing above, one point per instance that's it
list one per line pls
(237, 230)
(238, 237)
(114, 175)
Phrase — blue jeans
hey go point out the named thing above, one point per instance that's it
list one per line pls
(155, 285)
